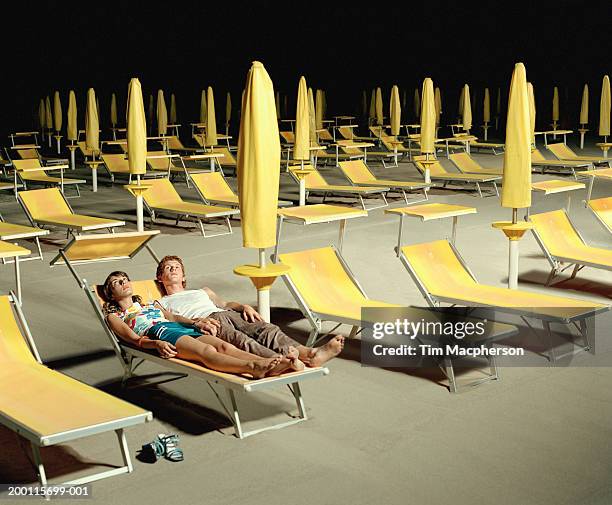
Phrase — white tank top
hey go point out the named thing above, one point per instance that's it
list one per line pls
(190, 303)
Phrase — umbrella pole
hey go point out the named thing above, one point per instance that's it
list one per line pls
(302, 187)
(513, 259)
(57, 137)
(263, 293)
(139, 208)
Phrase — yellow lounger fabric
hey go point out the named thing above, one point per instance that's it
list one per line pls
(314, 182)
(163, 196)
(562, 241)
(563, 152)
(324, 284)
(358, 173)
(602, 207)
(437, 171)
(468, 165)
(116, 163)
(443, 275)
(537, 158)
(214, 188)
(40, 176)
(48, 206)
(54, 403)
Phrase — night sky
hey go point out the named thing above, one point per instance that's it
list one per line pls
(185, 46)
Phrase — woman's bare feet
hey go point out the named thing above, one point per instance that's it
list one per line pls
(292, 353)
(321, 355)
(286, 365)
(262, 367)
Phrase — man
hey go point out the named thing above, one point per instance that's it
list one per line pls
(237, 323)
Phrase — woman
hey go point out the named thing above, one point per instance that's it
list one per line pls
(151, 327)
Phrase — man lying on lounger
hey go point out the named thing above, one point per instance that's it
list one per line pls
(236, 323)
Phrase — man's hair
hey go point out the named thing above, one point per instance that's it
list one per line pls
(161, 265)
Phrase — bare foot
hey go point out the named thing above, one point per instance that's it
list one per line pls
(261, 367)
(285, 364)
(321, 355)
(292, 353)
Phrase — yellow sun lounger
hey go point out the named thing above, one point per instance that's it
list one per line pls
(316, 184)
(96, 249)
(442, 276)
(495, 147)
(562, 152)
(325, 289)
(468, 165)
(214, 189)
(348, 133)
(32, 171)
(170, 165)
(539, 161)
(30, 151)
(50, 207)
(162, 198)
(115, 164)
(46, 407)
(561, 243)
(439, 173)
(602, 209)
(358, 173)
(10, 231)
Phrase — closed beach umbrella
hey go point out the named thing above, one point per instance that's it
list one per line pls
(532, 112)
(42, 114)
(584, 106)
(72, 130)
(428, 118)
(486, 107)
(113, 111)
(372, 111)
(57, 112)
(172, 118)
(319, 109)
(92, 125)
(162, 114)
(277, 103)
(211, 118)
(258, 161)
(555, 105)
(136, 129)
(379, 107)
(150, 111)
(312, 127)
(396, 111)
(417, 103)
(364, 103)
(136, 144)
(438, 104)
(604, 108)
(301, 149)
(467, 109)
(48, 115)
(228, 109)
(203, 106)
(516, 187)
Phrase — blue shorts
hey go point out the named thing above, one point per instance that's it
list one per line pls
(171, 332)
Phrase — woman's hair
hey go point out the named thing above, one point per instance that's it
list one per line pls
(162, 264)
(110, 305)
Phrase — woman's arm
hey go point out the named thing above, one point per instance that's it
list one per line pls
(124, 332)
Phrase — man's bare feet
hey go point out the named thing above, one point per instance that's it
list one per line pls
(262, 367)
(321, 355)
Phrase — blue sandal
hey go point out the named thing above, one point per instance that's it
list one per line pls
(172, 452)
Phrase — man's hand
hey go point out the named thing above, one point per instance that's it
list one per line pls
(207, 325)
(250, 314)
(165, 349)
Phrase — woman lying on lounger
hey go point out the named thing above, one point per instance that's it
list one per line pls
(151, 327)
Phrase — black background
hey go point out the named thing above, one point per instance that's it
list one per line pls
(341, 47)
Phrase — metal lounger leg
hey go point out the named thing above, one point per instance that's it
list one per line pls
(235, 416)
(450, 373)
(38, 464)
(299, 400)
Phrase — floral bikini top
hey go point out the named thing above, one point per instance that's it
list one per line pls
(141, 318)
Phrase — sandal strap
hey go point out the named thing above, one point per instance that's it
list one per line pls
(171, 450)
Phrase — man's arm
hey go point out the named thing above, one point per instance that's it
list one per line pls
(248, 312)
